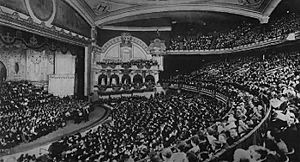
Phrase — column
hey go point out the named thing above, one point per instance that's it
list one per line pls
(120, 77)
(144, 79)
(91, 73)
(131, 76)
(108, 78)
(88, 68)
(156, 77)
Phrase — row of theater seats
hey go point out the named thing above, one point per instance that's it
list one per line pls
(144, 126)
(245, 33)
(187, 126)
(277, 77)
(28, 112)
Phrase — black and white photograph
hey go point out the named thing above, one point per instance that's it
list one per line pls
(149, 80)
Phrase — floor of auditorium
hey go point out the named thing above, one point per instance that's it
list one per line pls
(95, 117)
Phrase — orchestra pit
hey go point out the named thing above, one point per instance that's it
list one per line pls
(149, 81)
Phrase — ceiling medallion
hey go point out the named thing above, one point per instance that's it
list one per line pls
(43, 10)
(102, 7)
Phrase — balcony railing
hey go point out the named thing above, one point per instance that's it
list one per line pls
(265, 43)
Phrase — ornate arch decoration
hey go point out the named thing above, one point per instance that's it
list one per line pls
(138, 78)
(114, 76)
(101, 77)
(150, 78)
(118, 39)
(126, 78)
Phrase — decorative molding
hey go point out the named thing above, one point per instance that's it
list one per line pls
(270, 7)
(118, 39)
(50, 58)
(15, 21)
(157, 47)
(131, 28)
(251, 2)
(140, 10)
(264, 20)
(102, 7)
(42, 10)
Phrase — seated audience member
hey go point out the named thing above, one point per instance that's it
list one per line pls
(28, 112)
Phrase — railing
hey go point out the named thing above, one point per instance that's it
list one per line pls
(253, 137)
(265, 43)
(192, 88)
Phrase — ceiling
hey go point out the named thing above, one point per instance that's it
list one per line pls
(162, 12)
(202, 18)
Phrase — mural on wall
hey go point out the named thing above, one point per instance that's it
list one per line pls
(42, 9)
(66, 17)
(17, 5)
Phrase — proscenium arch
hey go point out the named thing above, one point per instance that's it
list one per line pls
(140, 10)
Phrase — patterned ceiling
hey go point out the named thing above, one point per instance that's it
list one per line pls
(106, 11)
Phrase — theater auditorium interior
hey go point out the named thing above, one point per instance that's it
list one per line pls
(149, 81)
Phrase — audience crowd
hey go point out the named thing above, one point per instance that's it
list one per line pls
(165, 124)
(176, 126)
(244, 34)
(274, 77)
(185, 126)
(142, 125)
(28, 112)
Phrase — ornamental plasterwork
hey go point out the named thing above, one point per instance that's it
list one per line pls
(251, 2)
(29, 25)
(119, 40)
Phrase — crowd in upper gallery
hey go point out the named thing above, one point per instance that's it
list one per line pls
(274, 75)
(244, 34)
(185, 126)
(28, 112)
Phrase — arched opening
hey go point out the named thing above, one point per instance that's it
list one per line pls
(126, 79)
(114, 79)
(102, 79)
(137, 79)
(149, 79)
(3, 72)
